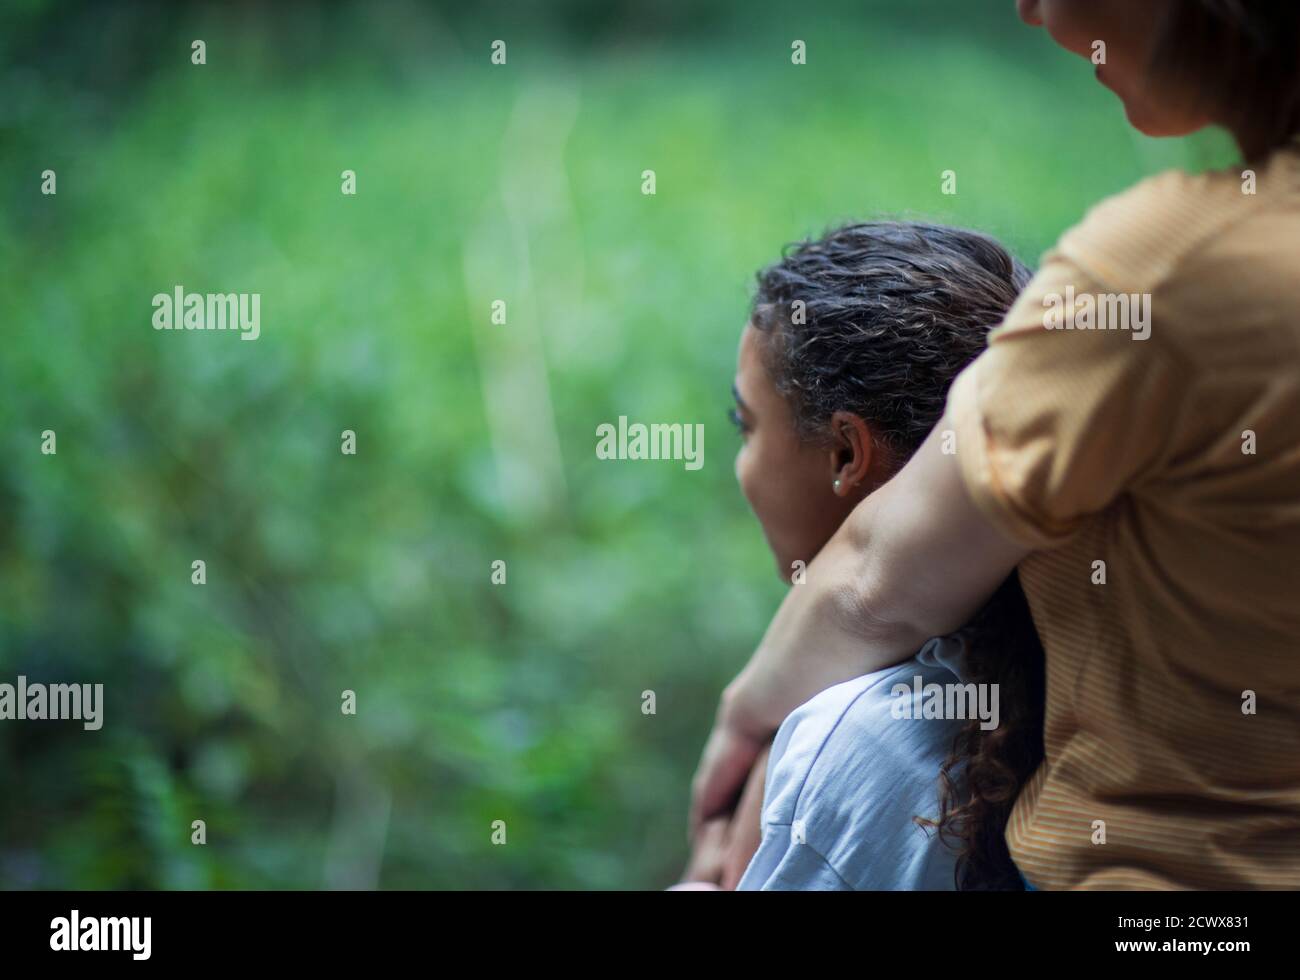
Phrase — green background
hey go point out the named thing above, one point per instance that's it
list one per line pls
(518, 702)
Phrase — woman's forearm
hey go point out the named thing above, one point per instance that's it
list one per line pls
(914, 560)
(836, 626)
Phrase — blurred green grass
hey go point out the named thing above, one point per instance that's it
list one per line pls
(477, 703)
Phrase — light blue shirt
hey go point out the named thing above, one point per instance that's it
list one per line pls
(845, 778)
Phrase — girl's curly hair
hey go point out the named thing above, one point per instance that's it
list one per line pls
(878, 319)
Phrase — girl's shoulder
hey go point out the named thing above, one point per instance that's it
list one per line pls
(849, 772)
(840, 750)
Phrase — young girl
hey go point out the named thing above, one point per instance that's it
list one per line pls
(843, 370)
(1146, 484)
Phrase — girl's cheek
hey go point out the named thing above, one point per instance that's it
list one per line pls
(743, 468)
(747, 475)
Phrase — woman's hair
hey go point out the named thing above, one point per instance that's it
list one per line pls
(1238, 59)
(878, 319)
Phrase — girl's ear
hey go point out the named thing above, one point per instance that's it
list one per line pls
(850, 453)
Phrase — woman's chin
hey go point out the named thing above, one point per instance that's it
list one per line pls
(1157, 126)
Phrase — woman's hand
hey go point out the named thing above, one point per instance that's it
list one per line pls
(915, 559)
(708, 853)
(729, 757)
(724, 846)
(745, 832)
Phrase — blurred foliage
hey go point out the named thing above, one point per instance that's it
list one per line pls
(519, 702)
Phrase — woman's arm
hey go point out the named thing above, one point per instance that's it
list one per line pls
(915, 559)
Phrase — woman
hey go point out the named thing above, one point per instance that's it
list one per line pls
(1148, 490)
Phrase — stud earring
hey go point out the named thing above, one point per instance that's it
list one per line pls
(836, 484)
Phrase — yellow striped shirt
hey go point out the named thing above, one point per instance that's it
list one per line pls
(1159, 478)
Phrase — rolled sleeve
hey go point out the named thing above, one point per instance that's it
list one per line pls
(1053, 425)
